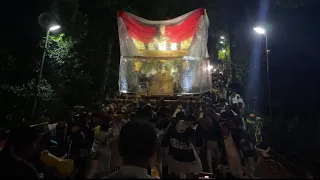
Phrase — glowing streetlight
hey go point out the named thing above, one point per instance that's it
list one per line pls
(54, 27)
(221, 42)
(222, 37)
(262, 31)
(51, 28)
(223, 50)
(259, 30)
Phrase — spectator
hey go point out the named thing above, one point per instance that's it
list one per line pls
(212, 135)
(183, 158)
(22, 146)
(117, 123)
(137, 144)
(100, 152)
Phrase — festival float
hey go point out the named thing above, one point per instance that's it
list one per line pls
(164, 58)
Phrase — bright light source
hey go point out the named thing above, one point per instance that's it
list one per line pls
(259, 30)
(223, 50)
(214, 70)
(222, 37)
(174, 46)
(210, 67)
(221, 42)
(162, 45)
(55, 27)
(221, 72)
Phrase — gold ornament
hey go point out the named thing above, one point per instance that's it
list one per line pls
(138, 66)
(185, 65)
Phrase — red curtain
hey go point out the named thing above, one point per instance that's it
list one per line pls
(137, 30)
(175, 33)
(186, 29)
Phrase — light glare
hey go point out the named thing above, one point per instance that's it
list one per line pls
(55, 27)
(174, 46)
(259, 30)
(163, 45)
(221, 42)
(222, 37)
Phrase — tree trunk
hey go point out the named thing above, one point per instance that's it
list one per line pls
(110, 46)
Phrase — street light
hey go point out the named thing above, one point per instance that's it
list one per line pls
(262, 31)
(222, 37)
(259, 30)
(221, 42)
(223, 50)
(55, 27)
(51, 28)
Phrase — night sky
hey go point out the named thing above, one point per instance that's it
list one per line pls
(294, 44)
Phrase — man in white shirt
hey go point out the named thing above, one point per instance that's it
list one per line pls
(137, 145)
(235, 98)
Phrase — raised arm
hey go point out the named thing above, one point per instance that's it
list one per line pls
(233, 156)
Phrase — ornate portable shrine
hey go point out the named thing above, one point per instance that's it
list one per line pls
(167, 57)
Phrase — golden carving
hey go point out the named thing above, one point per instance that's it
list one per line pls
(186, 43)
(138, 66)
(151, 47)
(139, 44)
(162, 41)
(162, 83)
(166, 53)
(185, 65)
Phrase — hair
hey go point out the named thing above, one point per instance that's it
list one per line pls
(190, 118)
(105, 123)
(181, 115)
(163, 112)
(137, 140)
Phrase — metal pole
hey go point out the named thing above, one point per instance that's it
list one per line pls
(268, 76)
(40, 74)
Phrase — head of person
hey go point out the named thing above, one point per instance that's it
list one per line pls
(163, 113)
(233, 93)
(105, 123)
(24, 142)
(190, 120)
(148, 111)
(117, 118)
(153, 122)
(82, 120)
(145, 100)
(137, 143)
(161, 102)
(267, 168)
(180, 115)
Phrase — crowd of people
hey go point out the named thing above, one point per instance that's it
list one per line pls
(146, 139)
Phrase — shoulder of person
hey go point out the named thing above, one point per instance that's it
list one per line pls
(23, 169)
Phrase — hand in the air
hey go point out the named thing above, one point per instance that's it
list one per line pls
(265, 153)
